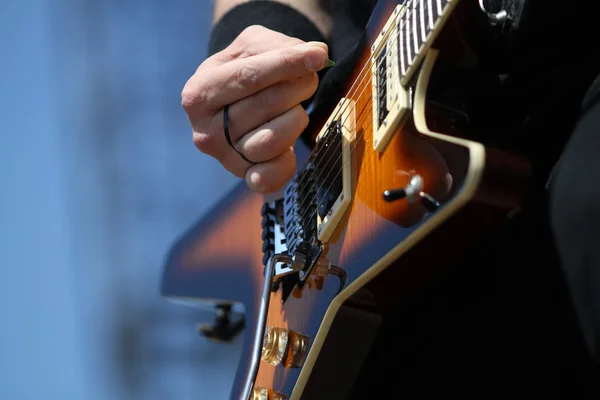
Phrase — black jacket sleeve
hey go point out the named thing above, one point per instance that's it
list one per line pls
(272, 15)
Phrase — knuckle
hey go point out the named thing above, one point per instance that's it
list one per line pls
(205, 142)
(192, 97)
(252, 30)
(247, 76)
(238, 50)
(205, 138)
(187, 100)
(239, 47)
(267, 138)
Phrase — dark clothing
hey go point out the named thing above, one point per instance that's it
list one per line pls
(575, 217)
(350, 20)
(521, 317)
(275, 16)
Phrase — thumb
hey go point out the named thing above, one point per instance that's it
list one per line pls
(316, 56)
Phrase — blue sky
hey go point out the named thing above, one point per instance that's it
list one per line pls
(40, 340)
(87, 216)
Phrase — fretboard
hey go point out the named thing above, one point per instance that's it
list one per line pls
(398, 52)
(415, 27)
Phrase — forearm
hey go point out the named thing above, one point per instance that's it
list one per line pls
(314, 10)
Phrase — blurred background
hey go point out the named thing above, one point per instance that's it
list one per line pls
(98, 178)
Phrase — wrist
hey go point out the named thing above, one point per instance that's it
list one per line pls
(272, 15)
(311, 9)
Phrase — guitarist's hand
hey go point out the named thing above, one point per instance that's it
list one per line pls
(264, 76)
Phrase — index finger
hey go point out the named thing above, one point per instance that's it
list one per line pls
(254, 40)
(241, 78)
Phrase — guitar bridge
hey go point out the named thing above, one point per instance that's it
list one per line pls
(314, 202)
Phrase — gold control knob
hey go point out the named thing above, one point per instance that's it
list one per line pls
(260, 394)
(297, 350)
(281, 346)
(275, 344)
(266, 394)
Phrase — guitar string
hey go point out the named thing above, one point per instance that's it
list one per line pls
(363, 75)
(408, 14)
(338, 173)
(356, 140)
(369, 61)
(343, 109)
(320, 161)
(328, 150)
(360, 80)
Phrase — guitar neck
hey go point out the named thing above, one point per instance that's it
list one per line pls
(417, 27)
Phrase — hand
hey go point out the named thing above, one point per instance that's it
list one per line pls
(264, 76)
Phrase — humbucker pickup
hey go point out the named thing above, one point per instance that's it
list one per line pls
(314, 202)
(340, 177)
(390, 99)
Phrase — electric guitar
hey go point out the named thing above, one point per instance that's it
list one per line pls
(398, 185)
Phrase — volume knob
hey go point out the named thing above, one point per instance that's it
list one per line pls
(285, 347)
(261, 393)
(275, 344)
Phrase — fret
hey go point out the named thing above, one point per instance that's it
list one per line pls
(430, 13)
(415, 30)
(422, 21)
(402, 48)
(427, 26)
(392, 69)
(436, 11)
(406, 31)
(429, 18)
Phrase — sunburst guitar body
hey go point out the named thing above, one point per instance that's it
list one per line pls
(394, 191)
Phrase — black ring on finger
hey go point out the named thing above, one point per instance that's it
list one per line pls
(227, 137)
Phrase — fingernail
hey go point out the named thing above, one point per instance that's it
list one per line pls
(317, 44)
(255, 182)
(314, 61)
(330, 63)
